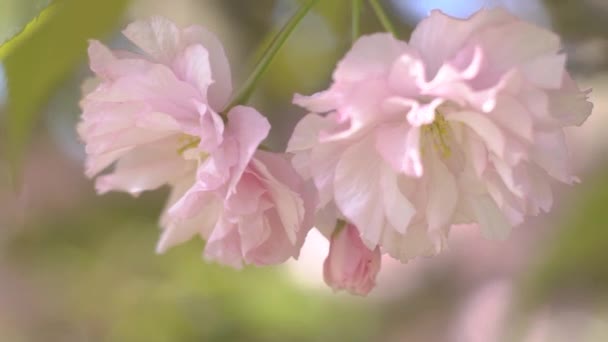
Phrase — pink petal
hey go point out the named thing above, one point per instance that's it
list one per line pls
(144, 168)
(179, 232)
(511, 114)
(224, 245)
(397, 208)
(157, 36)
(221, 89)
(484, 127)
(192, 66)
(282, 183)
(357, 192)
(429, 37)
(551, 153)
(545, 71)
(248, 128)
(400, 147)
(492, 221)
(306, 133)
(443, 195)
(414, 243)
(370, 56)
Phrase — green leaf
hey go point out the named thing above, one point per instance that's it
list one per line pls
(15, 14)
(42, 55)
(572, 261)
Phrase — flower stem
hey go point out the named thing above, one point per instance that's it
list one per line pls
(383, 17)
(246, 90)
(356, 19)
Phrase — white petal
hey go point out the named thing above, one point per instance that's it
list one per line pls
(221, 89)
(289, 205)
(443, 195)
(146, 167)
(440, 36)
(249, 128)
(358, 191)
(545, 71)
(177, 232)
(397, 208)
(192, 65)
(400, 148)
(493, 223)
(371, 55)
(157, 36)
(484, 127)
(306, 133)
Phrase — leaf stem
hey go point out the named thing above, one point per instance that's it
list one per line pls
(383, 17)
(246, 90)
(356, 19)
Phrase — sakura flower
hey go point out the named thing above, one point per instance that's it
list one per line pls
(156, 116)
(350, 265)
(463, 124)
(249, 205)
(154, 113)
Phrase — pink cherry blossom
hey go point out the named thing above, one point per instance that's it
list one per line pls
(250, 206)
(463, 124)
(350, 265)
(154, 113)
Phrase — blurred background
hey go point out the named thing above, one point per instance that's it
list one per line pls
(79, 267)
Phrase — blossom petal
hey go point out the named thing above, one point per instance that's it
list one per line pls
(370, 56)
(144, 168)
(249, 128)
(443, 195)
(397, 208)
(289, 205)
(192, 65)
(178, 232)
(429, 37)
(157, 36)
(493, 223)
(484, 127)
(400, 147)
(306, 133)
(357, 192)
(221, 89)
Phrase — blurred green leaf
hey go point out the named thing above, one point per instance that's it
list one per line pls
(573, 266)
(578, 256)
(42, 55)
(15, 14)
(103, 282)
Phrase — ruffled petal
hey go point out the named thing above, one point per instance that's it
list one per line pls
(492, 222)
(370, 56)
(221, 89)
(248, 128)
(157, 36)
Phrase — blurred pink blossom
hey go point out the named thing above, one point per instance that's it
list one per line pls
(350, 265)
(463, 124)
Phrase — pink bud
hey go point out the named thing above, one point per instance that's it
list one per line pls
(350, 265)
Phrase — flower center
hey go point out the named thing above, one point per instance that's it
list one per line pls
(438, 132)
(187, 142)
(188, 148)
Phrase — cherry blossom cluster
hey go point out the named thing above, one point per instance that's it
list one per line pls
(463, 124)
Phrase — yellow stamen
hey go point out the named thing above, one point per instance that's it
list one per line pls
(438, 132)
(187, 142)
